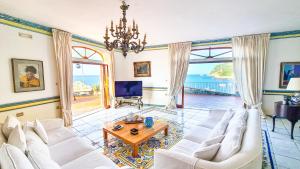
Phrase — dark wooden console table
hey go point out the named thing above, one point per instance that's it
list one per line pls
(289, 112)
(132, 101)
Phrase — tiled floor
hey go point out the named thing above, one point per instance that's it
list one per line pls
(209, 101)
(286, 151)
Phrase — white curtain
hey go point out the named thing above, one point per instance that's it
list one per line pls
(249, 59)
(63, 52)
(111, 70)
(179, 56)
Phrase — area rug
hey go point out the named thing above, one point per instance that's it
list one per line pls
(268, 154)
(121, 153)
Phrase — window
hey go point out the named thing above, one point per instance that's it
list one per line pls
(81, 52)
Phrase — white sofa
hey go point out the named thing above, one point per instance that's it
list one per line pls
(66, 149)
(181, 155)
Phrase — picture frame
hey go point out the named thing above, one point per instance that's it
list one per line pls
(142, 69)
(288, 70)
(28, 75)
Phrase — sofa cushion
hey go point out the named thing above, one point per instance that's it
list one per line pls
(198, 134)
(69, 150)
(2, 137)
(30, 134)
(91, 160)
(231, 144)
(186, 147)
(40, 160)
(214, 140)
(239, 117)
(13, 158)
(38, 145)
(40, 131)
(17, 138)
(58, 135)
(221, 127)
(10, 123)
(207, 152)
(215, 115)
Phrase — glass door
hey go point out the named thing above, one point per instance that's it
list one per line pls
(86, 89)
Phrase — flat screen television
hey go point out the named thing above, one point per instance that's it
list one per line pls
(128, 88)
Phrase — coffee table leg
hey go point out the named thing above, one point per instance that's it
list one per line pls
(166, 131)
(135, 151)
(104, 135)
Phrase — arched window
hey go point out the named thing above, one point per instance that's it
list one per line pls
(212, 54)
(81, 52)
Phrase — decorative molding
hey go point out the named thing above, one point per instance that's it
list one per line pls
(274, 36)
(27, 25)
(155, 88)
(278, 92)
(30, 26)
(29, 103)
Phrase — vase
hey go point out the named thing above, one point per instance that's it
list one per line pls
(149, 122)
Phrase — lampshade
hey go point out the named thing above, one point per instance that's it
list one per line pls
(294, 84)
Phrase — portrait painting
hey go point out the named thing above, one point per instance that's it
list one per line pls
(28, 75)
(288, 70)
(142, 69)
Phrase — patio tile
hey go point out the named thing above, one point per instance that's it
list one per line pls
(286, 162)
(285, 148)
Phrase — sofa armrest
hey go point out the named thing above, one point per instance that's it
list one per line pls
(51, 124)
(165, 159)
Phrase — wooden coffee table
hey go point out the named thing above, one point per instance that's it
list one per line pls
(135, 140)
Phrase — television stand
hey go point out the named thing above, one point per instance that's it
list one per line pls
(132, 101)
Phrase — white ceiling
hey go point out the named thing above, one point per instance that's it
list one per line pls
(164, 21)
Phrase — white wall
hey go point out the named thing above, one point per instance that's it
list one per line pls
(159, 73)
(281, 50)
(38, 48)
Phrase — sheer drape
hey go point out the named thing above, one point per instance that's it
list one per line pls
(249, 59)
(111, 70)
(179, 55)
(104, 86)
(63, 52)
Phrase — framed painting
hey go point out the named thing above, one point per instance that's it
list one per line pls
(142, 69)
(288, 70)
(28, 75)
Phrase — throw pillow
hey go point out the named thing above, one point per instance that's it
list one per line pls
(12, 158)
(2, 137)
(17, 138)
(239, 117)
(221, 127)
(40, 160)
(40, 130)
(214, 140)
(37, 145)
(10, 123)
(207, 152)
(231, 143)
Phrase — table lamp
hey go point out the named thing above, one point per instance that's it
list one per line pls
(294, 85)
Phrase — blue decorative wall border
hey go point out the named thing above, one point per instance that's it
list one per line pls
(27, 25)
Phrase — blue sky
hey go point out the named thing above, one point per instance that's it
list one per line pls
(201, 68)
(86, 69)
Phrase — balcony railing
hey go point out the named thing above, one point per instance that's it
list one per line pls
(216, 88)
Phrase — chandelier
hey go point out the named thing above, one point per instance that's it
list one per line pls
(125, 38)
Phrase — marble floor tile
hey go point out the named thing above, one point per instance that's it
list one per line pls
(286, 150)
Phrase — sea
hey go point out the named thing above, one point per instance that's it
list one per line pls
(193, 78)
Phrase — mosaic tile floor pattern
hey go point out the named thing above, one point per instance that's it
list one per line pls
(286, 152)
